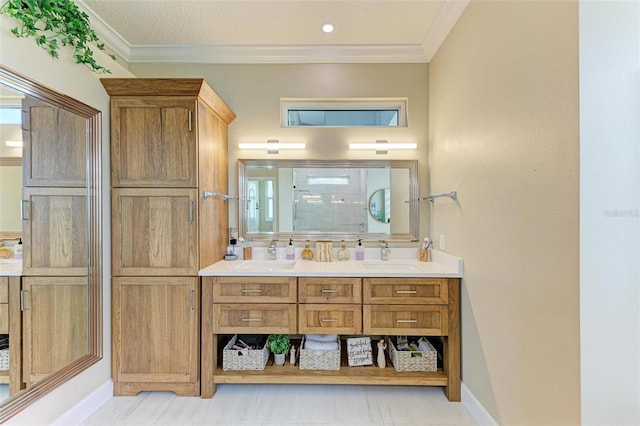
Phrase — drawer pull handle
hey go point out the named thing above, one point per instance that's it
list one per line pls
(406, 291)
(251, 320)
(328, 291)
(329, 320)
(252, 291)
(409, 321)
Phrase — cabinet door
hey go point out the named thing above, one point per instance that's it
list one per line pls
(57, 219)
(55, 311)
(155, 330)
(154, 231)
(213, 177)
(153, 142)
(63, 163)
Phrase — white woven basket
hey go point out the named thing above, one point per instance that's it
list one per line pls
(319, 360)
(4, 359)
(404, 361)
(254, 360)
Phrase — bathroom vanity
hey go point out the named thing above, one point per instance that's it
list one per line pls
(371, 298)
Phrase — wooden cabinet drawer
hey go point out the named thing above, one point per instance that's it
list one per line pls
(254, 318)
(329, 319)
(4, 318)
(406, 319)
(4, 289)
(410, 291)
(253, 289)
(329, 290)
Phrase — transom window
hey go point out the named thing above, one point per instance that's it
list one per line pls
(388, 112)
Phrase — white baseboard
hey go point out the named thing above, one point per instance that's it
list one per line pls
(473, 406)
(85, 408)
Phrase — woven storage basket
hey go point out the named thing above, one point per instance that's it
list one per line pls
(403, 361)
(4, 359)
(254, 360)
(311, 359)
(424, 255)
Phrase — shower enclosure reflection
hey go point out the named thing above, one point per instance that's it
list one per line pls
(305, 199)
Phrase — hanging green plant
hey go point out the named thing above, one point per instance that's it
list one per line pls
(55, 23)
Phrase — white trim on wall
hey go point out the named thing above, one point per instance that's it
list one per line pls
(87, 407)
(473, 406)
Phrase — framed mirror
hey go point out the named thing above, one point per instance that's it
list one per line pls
(380, 205)
(328, 199)
(55, 302)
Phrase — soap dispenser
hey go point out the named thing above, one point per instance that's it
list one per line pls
(291, 251)
(18, 250)
(343, 254)
(307, 254)
(359, 250)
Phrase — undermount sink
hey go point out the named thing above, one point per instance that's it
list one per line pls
(386, 265)
(267, 265)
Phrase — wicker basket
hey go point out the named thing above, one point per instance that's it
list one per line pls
(404, 361)
(424, 255)
(4, 359)
(319, 360)
(254, 360)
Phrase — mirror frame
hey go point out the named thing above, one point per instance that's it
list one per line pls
(22, 84)
(414, 199)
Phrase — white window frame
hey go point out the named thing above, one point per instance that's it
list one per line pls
(401, 104)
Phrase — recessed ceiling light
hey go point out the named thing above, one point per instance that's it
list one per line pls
(328, 27)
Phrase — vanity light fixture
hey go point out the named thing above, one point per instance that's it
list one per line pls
(382, 146)
(272, 146)
(14, 144)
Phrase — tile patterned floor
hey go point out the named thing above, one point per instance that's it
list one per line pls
(287, 405)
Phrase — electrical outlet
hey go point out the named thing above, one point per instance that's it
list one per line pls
(442, 242)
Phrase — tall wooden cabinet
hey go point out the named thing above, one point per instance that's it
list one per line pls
(168, 147)
(54, 287)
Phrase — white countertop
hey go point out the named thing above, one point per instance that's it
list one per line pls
(10, 267)
(404, 263)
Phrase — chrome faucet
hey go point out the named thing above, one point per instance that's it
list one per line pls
(384, 250)
(272, 250)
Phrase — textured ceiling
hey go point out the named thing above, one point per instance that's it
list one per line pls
(136, 27)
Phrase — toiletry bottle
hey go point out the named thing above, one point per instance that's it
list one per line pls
(291, 251)
(343, 254)
(307, 254)
(359, 250)
(18, 250)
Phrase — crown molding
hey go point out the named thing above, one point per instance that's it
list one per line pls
(447, 17)
(110, 37)
(280, 54)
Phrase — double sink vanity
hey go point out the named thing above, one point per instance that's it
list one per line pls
(376, 298)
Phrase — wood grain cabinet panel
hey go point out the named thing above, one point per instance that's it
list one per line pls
(153, 142)
(154, 231)
(406, 320)
(55, 329)
(329, 318)
(254, 318)
(155, 333)
(57, 219)
(59, 164)
(329, 290)
(408, 291)
(4, 305)
(254, 289)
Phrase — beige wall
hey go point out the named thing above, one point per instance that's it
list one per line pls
(254, 92)
(504, 134)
